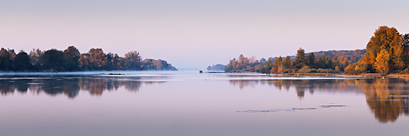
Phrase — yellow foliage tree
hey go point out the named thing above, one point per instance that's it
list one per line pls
(388, 39)
(382, 62)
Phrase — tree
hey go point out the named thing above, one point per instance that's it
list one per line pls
(300, 59)
(337, 69)
(370, 59)
(382, 62)
(287, 64)
(356, 68)
(95, 59)
(110, 60)
(72, 56)
(119, 62)
(344, 62)
(361, 67)
(311, 60)
(388, 39)
(277, 66)
(36, 59)
(243, 64)
(5, 61)
(133, 60)
(305, 69)
(22, 62)
(53, 60)
(322, 62)
(266, 67)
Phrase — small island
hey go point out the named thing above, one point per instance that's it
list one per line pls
(71, 59)
(217, 67)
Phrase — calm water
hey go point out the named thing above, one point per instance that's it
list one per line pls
(193, 104)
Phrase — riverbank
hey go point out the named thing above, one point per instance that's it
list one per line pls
(404, 76)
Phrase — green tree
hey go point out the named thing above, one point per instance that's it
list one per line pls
(300, 59)
(311, 60)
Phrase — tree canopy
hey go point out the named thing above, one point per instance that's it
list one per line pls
(387, 51)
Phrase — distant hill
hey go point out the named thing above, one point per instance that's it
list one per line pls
(217, 67)
(351, 55)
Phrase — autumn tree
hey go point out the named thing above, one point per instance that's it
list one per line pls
(118, 62)
(95, 59)
(133, 60)
(382, 62)
(152, 64)
(356, 68)
(243, 64)
(343, 63)
(287, 64)
(277, 66)
(5, 60)
(72, 56)
(392, 42)
(406, 47)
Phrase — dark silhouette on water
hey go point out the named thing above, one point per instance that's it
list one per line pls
(69, 86)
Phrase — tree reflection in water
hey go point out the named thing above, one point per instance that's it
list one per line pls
(69, 86)
(386, 98)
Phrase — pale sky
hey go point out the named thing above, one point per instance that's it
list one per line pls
(197, 33)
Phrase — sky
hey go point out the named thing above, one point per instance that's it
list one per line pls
(197, 33)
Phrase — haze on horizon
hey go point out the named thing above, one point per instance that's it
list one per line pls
(193, 33)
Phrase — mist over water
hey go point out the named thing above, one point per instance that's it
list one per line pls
(188, 103)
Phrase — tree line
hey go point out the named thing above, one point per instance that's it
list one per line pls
(72, 60)
(387, 51)
(217, 67)
(302, 63)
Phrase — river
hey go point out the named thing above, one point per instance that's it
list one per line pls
(187, 103)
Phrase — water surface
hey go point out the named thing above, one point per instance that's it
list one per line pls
(187, 103)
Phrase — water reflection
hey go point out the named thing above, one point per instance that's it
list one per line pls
(69, 86)
(387, 98)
